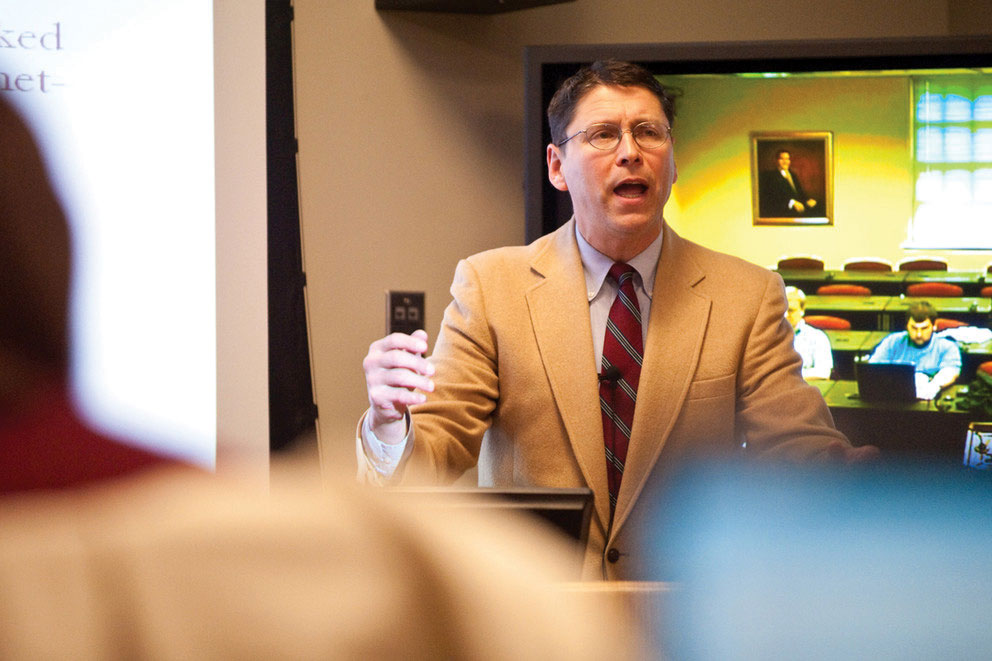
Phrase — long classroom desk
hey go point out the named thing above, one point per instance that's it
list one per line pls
(847, 345)
(970, 281)
(888, 312)
(864, 312)
(971, 309)
(889, 283)
(973, 355)
(922, 431)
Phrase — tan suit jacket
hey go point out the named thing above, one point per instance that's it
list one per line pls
(517, 390)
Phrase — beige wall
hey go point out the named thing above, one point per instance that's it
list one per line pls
(869, 120)
(410, 132)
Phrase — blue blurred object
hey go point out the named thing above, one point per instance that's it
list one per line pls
(776, 563)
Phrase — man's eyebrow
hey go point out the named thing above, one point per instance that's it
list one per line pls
(649, 120)
(634, 121)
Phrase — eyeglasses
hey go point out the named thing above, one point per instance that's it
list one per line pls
(647, 135)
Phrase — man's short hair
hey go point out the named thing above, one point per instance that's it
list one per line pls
(779, 153)
(561, 109)
(920, 311)
(798, 293)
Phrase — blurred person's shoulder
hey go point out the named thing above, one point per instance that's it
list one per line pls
(311, 569)
(47, 445)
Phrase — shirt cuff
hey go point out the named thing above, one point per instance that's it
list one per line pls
(378, 461)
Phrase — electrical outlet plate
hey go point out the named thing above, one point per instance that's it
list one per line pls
(404, 311)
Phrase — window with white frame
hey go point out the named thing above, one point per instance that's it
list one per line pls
(952, 129)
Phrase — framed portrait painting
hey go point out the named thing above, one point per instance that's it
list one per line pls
(792, 178)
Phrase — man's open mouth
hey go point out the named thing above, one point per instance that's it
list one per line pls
(630, 189)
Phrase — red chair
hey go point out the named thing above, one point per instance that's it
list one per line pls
(942, 324)
(843, 290)
(934, 289)
(827, 322)
(810, 263)
(923, 264)
(867, 264)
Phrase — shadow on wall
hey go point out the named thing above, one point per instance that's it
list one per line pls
(472, 71)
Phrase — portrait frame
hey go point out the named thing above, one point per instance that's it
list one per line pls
(775, 200)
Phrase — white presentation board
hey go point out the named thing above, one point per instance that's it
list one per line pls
(124, 98)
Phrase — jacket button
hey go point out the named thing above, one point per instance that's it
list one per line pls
(613, 555)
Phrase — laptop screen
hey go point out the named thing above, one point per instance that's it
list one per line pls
(886, 382)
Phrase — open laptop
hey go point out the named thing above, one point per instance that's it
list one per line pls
(565, 510)
(885, 382)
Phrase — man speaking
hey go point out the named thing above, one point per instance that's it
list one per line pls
(606, 353)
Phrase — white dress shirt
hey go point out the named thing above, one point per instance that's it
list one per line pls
(814, 347)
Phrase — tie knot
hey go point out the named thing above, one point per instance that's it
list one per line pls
(621, 272)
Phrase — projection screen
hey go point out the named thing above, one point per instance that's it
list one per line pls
(151, 118)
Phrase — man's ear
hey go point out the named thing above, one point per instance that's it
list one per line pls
(555, 175)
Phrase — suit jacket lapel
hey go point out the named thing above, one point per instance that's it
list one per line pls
(559, 312)
(675, 338)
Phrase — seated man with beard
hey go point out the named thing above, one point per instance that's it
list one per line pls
(937, 360)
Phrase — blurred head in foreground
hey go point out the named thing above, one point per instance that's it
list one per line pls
(34, 266)
(44, 443)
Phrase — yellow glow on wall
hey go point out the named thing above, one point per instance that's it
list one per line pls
(873, 186)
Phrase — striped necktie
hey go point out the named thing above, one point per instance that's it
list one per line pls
(623, 349)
